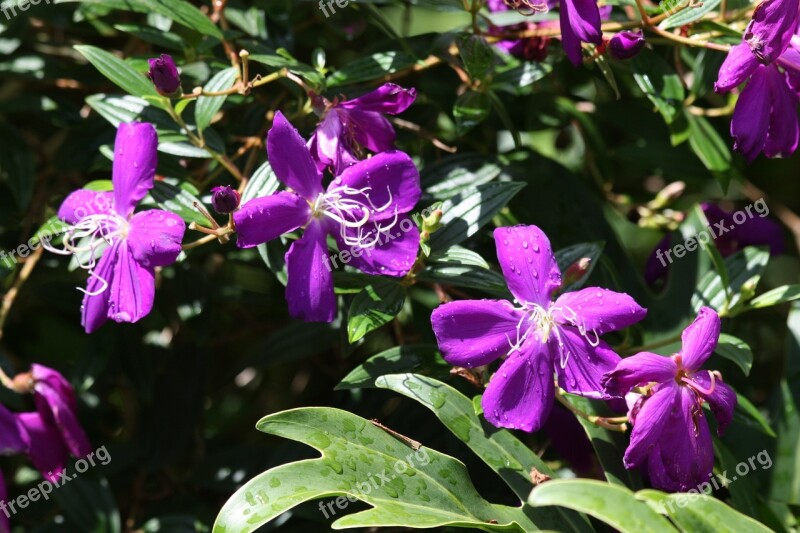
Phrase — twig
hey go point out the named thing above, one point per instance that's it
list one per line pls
(11, 295)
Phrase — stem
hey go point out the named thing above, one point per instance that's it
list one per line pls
(11, 295)
(5, 380)
(594, 419)
(199, 242)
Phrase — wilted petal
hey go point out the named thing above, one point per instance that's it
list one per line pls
(598, 310)
(309, 289)
(722, 401)
(82, 203)
(769, 32)
(737, 67)
(372, 130)
(639, 370)
(44, 445)
(700, 339)
(750, 121)
(388, 98)
(10, 438)
(520, 394)
(394, 254)
(55, 399)
(262, 219)
(528, 263)
(649, 423)
(291, 159)
(155, 237)
(475, 332)
(135, 162)
(390, 182)
(583, 364)
(784, 130)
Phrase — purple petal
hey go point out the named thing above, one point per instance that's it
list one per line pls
(394, 254)
(722, 401)
(262, 219)
(82, 203)
(639, 370)
(700, 339)
(372, 130)
(750, 120)
(291, 160)
(309, 290)
(155, 237)
(388, 98)
(583, 16)
(130, 292)
(598, 310)
(528, 263)
(784, 130)
(753, 231)
(579, 365)
(329, 144)
(769, 32)
(520, 394)
(5, 525)
(649, 423)
(55, 399)
(392, 180)
(44, 444)
(475, 332)
(135, 163)
(10, 438)
(737, 67)
(569, 41)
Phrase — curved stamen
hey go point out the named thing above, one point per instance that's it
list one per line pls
(697, 387)
(344, 206)
(98, 291)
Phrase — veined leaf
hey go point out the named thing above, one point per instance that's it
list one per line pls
(208, 106)
(263, 182)
(406, 358)
(735, 350)
(373, 307)
(121, 73)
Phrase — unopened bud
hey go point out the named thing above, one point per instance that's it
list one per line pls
(626, 44)
(576, 271)
(225, 199)
(433, 221)
(164, 75)
(23, 383)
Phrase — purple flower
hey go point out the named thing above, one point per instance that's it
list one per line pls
(529, 48)
(56, 403)
(164, 75)
(771, 28)
(738, 234)
(349, 125)
(122, 282)
(359, 208)
(10, 437)
(225, 199)
(580, 23)
(670, 437)
(626, 44)
(537, 336)
(5, 525)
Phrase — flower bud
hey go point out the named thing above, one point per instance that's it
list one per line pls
(626, 44)
(164, 75)
(225, 199)
(576, 271)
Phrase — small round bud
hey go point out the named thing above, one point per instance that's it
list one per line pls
(164, 75)
(626, 44)
(225, 199)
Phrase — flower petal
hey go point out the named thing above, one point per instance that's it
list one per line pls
(82, 203)
(700, 339)
(649, 423)
(392, 181)
(598, 310)
(722, 401)
(750, 121)
(569, 41)
(291, 159)
(475, 332)
(737, 67)
(329, 145)
(155, 237)
(44, 444)
(528, 263)
(639, 370)
(584, 19)
(135, 162)
(262, 219)
(579, 365)
(393, 255)
(520, 394)
(10, 438)
(784, 130)
(372, 130)
(309, 290)
(388, 98)
(55, 399)
(771, 28)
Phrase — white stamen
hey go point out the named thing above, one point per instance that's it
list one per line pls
(339, 205)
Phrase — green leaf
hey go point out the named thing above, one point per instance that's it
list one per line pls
(470, 109)
(374, 307)
(735, 350)
(468, 211)
(406, 358)
(171, 197)
(424, 487)
(263, 182)
(783, 294)
(710, 148)
(458, 172)
(689, 14)
(469, 276)
(477, 55)
(744, 271)
(208, 106)
(370, 68)
(519, 80)
(660, 83)
(122, 74)
(747, 414)
(89, 504)
(699, 513)
(456, 255)
(612, 504)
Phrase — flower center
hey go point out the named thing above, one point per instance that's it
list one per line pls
(352, 209)
(683, 379)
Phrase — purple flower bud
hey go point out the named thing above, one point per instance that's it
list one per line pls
(626, 44)
(164, 75)
(224, 199)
